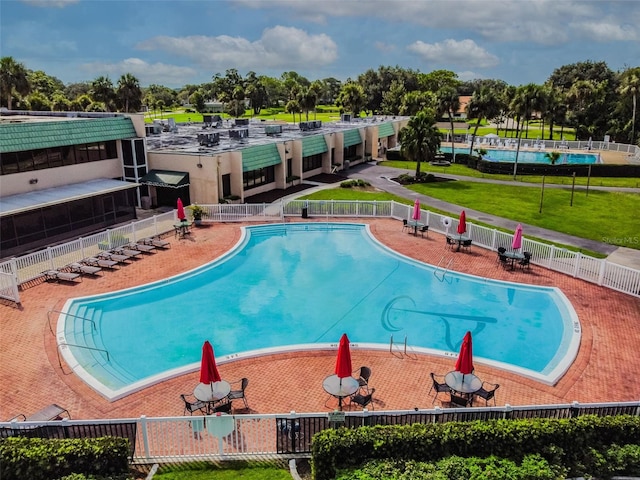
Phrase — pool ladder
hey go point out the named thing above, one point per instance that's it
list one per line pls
(441, 269)
(391, 345)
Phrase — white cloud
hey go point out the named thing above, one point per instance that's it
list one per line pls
(468, 75)
(547, 22)
(50, 3)
(279, 47)
(606, 32)
(145, 72)
(384, 47)
(465, 53)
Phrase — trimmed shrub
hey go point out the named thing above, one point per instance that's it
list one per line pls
(560, 441)
(45, 459)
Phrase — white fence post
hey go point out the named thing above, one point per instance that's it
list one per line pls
(576, 266)
(603, 268)
(145, 435)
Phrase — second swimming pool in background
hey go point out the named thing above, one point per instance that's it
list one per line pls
(530, 156)
(293, 285)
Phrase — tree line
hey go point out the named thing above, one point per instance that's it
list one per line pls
(586, 96)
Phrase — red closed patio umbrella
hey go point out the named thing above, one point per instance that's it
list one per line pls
(343, 360)
(416, 210)
(464, 364)
(516, 244)
(462, 223)
(181, 215)
(208, 369)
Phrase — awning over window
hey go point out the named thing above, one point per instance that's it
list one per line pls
(352, 137)
(24, 202)
(260, 156)
(313, 145)
(385, 130)
(166, 178)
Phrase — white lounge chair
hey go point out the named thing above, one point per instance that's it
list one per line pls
(86, 269)
(100, 262)
(157, 242)
(65, 276)
(141, 247)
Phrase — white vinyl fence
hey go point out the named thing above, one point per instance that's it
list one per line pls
(227, 437)
(29, 267)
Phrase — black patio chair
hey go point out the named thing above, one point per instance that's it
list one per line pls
(487, 393)
(526, 261)
(458, 401)
(363, 377)
(504, 261)
(451, 243)
(194, 406)
(467, 244)
(404, 224)
(424, 229)
(240, 394)
(438, 387)
(362, 400)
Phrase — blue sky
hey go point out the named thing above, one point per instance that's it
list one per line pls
(176, 42)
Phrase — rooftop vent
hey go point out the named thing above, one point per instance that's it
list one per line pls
(311, 125)
(273, 130)
(239, 133)
(208, 139)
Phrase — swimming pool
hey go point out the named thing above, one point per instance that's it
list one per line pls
(300, 286)
(530, 156)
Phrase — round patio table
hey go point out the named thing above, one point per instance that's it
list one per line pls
(340, 387)
(460, 383)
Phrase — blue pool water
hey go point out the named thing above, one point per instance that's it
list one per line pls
(529, 156)
(305, 284)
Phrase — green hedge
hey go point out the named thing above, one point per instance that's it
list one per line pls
(561, 442)
(46, 459)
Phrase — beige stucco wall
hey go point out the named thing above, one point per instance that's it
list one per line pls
(56, 177)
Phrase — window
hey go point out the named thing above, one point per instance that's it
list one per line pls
(312, 162)
(261, 176)
(30, 160)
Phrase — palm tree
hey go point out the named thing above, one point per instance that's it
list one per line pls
(552, 157)
(129, 92)
(630, 86)
(102, 91)
(449, 101)
(351, 98)
(420, 139)
(483, 104)
(13, 78)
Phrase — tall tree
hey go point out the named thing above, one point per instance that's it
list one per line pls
(449, 103)
(420, 139)
(129, 93)
(13, 79)
(351, 98)
(102, 92)
(483, 104)
(630, 86)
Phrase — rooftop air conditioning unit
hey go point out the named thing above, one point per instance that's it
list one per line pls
(273, 129)
(346, 117)
(239, 133)
(241, 122)
(208, 139)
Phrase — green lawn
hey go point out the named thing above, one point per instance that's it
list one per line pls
(600, 216)
(463, 170)
(224, 471)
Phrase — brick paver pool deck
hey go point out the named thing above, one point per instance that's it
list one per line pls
(606, 368)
